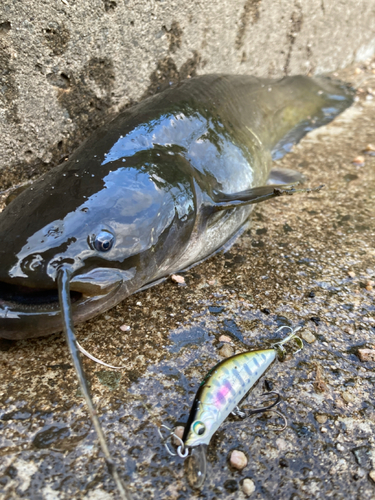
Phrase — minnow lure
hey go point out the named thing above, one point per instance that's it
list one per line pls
(219, 394)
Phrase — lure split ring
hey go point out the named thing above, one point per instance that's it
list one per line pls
(182, 451)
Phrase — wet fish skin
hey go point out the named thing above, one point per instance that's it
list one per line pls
(146, 178)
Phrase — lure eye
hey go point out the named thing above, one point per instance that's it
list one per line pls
(103, 241)
(199, 428)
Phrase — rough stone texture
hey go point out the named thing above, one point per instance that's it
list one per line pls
(66, 65)
(48, 447)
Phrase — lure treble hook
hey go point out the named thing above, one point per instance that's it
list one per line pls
(279, 346)
(243, 414)
(181, 450)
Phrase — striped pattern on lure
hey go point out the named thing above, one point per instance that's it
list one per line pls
(223, 388)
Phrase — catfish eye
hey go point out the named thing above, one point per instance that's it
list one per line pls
(103, 241)
(199, 428)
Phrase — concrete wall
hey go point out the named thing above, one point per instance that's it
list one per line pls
(65, 65)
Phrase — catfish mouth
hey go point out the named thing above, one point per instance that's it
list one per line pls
(96, 285)
(29, 311)
(26, 298)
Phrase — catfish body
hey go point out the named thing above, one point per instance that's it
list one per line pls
(136, 201)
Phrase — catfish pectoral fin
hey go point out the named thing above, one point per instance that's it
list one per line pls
(255, 195)
(285, 176)
(100, 281)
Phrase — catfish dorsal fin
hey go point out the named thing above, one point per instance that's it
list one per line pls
(224, 201)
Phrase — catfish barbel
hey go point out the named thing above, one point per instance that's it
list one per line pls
(160, 188)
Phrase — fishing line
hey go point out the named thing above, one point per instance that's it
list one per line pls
(93, 358)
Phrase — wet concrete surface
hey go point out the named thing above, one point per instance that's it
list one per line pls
(306, 260)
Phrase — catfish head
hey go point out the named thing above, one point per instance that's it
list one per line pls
(115, 226)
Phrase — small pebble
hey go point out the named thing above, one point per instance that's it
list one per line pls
(212, 282)
(323, 429)
(371, 474)
(268, 385)
(179, 431)
(308, 336)
(340, 447)
(238, 459)
(316, 320)
(348, 330)
(366, 354)
(248, 486)
(361, 473)
(178, 279)
(125, 328)
(369, 148)
(281, 444)
(224, 338)
(348, 397)
(359, 160)
(369, 288)
(357, 71)
(351, 274)
(139, 303)
(226, 351)
(322, 419)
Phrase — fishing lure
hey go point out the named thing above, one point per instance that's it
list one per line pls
(219, 394)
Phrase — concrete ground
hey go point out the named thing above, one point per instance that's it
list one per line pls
(307, 260)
